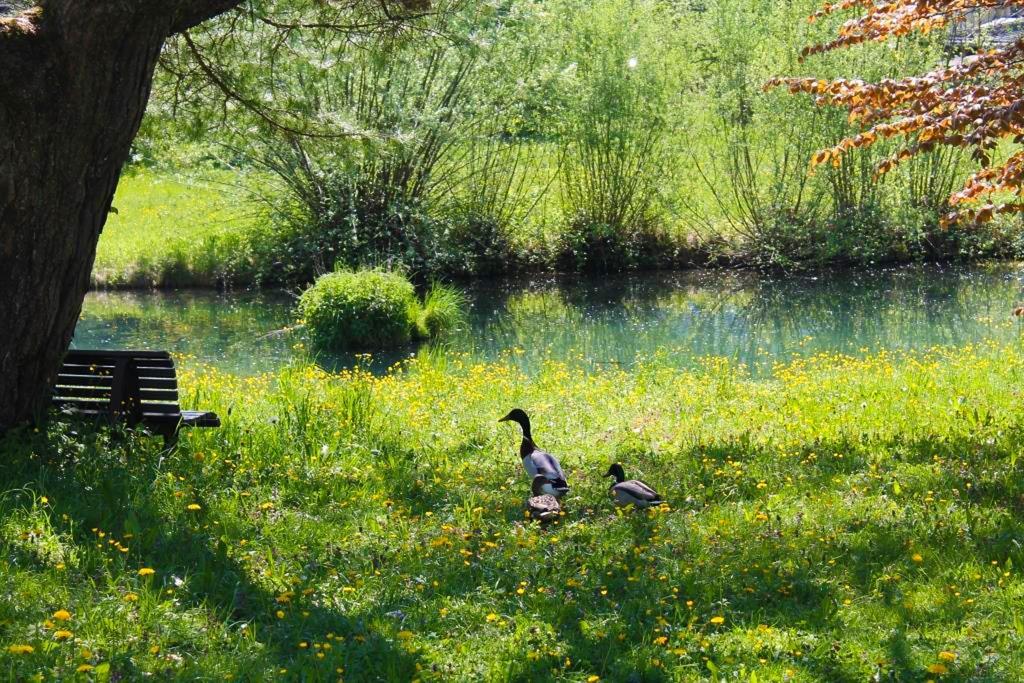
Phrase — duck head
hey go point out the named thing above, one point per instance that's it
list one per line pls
(538, 484)
(519, 415)
(616, 471)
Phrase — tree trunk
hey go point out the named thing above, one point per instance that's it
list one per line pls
(74, 80)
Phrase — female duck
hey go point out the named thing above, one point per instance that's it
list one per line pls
(632, 491)
(536, 461)
(542, 506)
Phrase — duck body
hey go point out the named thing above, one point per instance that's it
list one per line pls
(631, 491)
(537, 462)
(540, 505)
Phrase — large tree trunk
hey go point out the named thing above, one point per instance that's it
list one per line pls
(75, 76)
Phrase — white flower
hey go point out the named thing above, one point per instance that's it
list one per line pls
(631, 63)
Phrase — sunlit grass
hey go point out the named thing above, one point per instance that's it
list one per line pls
(170, 229)
(847, 519)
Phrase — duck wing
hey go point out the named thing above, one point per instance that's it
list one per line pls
(544, 463)
(639, 490)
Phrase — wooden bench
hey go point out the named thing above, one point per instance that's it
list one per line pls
(135, 387)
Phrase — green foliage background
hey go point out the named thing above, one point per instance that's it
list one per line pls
(483, 138)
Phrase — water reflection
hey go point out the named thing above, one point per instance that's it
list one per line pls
(606, 321)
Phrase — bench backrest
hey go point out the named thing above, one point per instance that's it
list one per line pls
(126, 384)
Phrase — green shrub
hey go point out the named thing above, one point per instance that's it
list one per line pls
(444, 308)
(359, 310)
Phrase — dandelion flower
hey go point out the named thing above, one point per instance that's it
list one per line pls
(917, 558)
(131, 597)
(937, 669)
(593, 679)
(21, 649)
(194, 507)
(62, 615)
(146, 571)
(492, 617)
(717, 620)
(63, 634)
(947, 656)
(84, 668)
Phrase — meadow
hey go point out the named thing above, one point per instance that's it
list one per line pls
(172, 229)
(848, 519)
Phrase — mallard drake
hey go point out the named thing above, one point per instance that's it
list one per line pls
(631, 491)
(541, 505)
(536, 461)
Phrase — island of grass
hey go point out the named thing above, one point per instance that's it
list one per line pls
(375, 309)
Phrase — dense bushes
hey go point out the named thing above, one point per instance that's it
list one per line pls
(372, 309)
(569, 135)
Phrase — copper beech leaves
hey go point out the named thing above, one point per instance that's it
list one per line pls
(974, 102)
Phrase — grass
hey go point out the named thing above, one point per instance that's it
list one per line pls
(848, 519)
(171, 230)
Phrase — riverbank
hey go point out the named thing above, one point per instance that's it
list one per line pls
(206, 230)
(601, 321)
(848, 519)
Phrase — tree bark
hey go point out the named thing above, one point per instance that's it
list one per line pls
(74, 80)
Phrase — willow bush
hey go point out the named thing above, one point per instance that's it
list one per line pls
(483, 138)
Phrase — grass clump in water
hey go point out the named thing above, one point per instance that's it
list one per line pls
(443, 309)
(375, 309)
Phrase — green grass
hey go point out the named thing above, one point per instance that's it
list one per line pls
(847, 519)
(171, 230)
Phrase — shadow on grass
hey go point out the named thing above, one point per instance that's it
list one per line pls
(103, 493)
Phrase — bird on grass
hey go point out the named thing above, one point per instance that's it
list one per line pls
(631, 491)
(542, 506)
(536, 461)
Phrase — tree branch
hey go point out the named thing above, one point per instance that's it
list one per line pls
(229, 92)
(195, 12)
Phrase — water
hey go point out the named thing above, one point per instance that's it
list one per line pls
(606, 321)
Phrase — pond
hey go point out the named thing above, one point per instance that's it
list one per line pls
(605, 321)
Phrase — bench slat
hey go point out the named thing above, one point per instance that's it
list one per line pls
(85, 380)
(149, 407)
(85, 392)
(158, 395)
(157, 383)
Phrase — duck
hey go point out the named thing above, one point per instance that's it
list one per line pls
(542, 506)
(536, 461)
(631, 491)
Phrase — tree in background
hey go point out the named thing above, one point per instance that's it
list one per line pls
(975, 102)
(74, 81)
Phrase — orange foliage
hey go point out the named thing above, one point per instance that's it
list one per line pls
(975, 102)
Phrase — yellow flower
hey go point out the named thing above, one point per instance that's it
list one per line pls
(405, 635)
(131, 597)
(62, 615)
(194, 507)
(717, 620)
(63, 634)
(280, 614)
(593, 679)
(917, 558)
(146, 571)
(660, 640)
(83, 668)
(937, 669)
(492, 617)
(154, 650)
(947, 656)
(21, 649)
